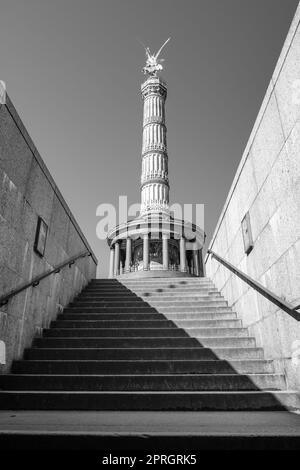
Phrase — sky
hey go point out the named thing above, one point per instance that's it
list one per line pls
(73, 71)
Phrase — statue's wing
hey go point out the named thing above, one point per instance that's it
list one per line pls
(159, 50)
(147, 50)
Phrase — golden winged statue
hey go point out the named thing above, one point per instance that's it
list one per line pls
(153, 64)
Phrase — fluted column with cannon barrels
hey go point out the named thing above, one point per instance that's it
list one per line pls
(154, 179)
(150, 244)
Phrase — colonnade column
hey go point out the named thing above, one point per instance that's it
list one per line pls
(111, 262)
(182, 255)
(117, 259)
(146, 252)
(165, 250)
(128, 255)
(196, 264)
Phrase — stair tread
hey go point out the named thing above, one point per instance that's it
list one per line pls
(154, 392)
(4, 376)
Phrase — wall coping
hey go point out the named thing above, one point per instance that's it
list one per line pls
(16, 118)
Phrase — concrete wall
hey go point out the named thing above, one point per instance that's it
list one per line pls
(27, 191)
(267, 184)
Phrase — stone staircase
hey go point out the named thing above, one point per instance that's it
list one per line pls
(148, 344)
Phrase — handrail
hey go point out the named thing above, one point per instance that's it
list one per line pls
(36, 280)
(286, 306)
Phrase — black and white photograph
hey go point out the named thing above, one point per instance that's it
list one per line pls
(149, 232)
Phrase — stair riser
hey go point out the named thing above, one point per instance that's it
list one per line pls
(150, 303)
(197, 309)
(142, 382)
(205, 290)
(186, 304)
(142, 367)
(104, 304)
(154, 288)
(166, 281)
(109, 295)
(177, 291)
(115, 332)
(133, 309)
(162, 282)
(147, 324)
(146, 310)
(149, 299)
(144, 354)
(145, 332)
(262, 401)
(142, 342)
(147, 316)
(183, 298)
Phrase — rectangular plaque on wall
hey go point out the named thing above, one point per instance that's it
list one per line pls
(40, 237)
(247, 234)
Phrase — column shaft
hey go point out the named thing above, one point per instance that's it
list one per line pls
(128, 255)
(146, 252)
(182, 255)
(165, 249)
(111, 262)
(196, 264)
(117, 259)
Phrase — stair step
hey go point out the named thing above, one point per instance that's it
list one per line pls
(147, 309)
(163, 281)
(148, 316)
(142, 366)
(94, 306)
(145, 323)
(114, 332)
(143, 342)
(154, 382)
(164, 290)
(134, 309)
(183, 298)
(187, 304)
(144, 353)
(151, 401)
(137, 303)
(145, 332)
(169, 287)
(127, 296)
(189, 309)
(148, 299)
